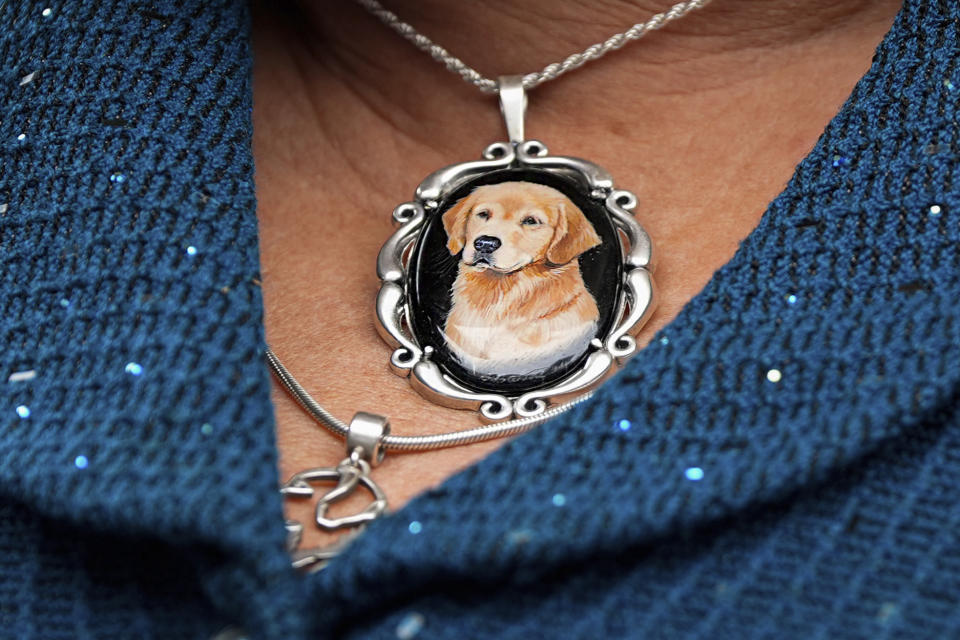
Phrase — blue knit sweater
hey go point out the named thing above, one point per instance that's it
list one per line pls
(696, 496)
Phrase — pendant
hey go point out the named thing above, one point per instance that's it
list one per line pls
(515, 282)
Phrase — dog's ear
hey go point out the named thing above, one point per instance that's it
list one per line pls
(455, 224)
(573, 234)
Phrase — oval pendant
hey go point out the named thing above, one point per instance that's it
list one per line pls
(515, 282)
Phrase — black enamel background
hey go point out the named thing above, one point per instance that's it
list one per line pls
(433, 271)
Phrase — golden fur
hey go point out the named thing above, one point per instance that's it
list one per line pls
(523, 307)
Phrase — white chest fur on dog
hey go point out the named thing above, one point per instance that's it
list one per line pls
(494, 340)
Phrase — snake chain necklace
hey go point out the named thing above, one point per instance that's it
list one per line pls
(512, 286)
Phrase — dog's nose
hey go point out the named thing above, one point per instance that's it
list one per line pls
(486, 244)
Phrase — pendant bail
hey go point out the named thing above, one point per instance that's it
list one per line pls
(513, 105)
(365, 437)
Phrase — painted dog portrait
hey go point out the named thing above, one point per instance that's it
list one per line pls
(519, 304)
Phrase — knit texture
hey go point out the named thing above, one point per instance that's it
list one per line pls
(138, 497)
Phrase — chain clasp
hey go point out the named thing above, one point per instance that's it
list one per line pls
(364, 449)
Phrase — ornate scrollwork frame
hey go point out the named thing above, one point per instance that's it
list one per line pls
(633, 307)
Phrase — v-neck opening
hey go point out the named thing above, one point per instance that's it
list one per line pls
(664, 332)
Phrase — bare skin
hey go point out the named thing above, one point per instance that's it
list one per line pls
(704, 120)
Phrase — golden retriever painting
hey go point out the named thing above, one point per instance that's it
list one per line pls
(519, 303)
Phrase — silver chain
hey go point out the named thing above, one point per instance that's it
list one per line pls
(535, 78)
(413, 443)
(354, 471)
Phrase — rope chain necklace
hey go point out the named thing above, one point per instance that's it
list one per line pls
(512, 286)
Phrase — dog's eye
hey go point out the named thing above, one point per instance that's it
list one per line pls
(483, 215)
(529, 221)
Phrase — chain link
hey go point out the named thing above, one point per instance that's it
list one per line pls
(535, 78)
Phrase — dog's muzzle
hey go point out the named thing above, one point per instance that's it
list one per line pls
(485, 246)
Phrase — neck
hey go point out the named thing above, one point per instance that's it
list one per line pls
(721, 46)
(331, 76)
(500, 37)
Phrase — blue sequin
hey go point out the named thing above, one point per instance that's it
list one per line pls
(191, 250)
(664, 340)
(840, 161)
(81, 462)
(415, 527)
(559, 499)
(949, 85)
(886, 611)
(791, 299)
(23, 411)
(64, 303)
(774, 375)
(624, 425)
(694, 473)
(206, 429)
(410, 626)
(22, 376)
(118, 178)
(133, 368)
(21, 137)
(46, 13)
(520, 536)
(935, 209)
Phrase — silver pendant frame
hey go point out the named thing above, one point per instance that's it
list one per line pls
(633, 307)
